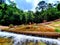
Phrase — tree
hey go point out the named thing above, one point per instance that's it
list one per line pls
(58, 7)
(50, 5)
(10, 14)
(30, 16)
(42, 5)
(12, 3)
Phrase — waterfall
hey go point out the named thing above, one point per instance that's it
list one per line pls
(20, 39)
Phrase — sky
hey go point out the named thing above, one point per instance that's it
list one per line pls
(30, 4)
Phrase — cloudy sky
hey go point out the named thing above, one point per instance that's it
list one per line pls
(30, 4)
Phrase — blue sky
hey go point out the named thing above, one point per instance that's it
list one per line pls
(30, 4)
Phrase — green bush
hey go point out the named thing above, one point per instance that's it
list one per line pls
(11, 26)
(57, 30)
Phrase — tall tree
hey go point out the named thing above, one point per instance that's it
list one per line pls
(50, 5)
(12, 3)
(58, 6)
(42, 5)
(30, 16)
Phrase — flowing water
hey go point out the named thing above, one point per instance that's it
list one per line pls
(20, 39)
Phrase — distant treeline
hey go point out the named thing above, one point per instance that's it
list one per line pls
(10, 14)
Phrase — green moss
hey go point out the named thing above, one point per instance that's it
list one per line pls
(57, 30)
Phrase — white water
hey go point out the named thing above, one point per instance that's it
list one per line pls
(19, 37)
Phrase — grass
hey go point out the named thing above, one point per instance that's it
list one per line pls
(56, 25)
(52, 27)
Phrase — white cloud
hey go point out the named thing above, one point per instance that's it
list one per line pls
(12, 0)
(35, 2)
(51, 1)
(7, 2)
(29, 1)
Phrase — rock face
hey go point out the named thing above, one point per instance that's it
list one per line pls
(3, 27)
(6, 41)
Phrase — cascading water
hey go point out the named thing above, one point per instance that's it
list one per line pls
(19, 39)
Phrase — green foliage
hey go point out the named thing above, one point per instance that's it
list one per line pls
(57, 30)
(58, 7)
(10, 14)
(11, 26)
(42, 5)
(50, 14)
(30, 16)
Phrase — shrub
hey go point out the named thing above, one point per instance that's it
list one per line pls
(57, 30)
(11, 26)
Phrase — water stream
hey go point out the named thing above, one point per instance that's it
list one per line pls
(19, 39)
